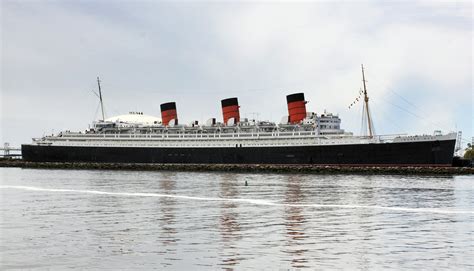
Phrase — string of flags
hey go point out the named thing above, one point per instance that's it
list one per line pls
(356, 99)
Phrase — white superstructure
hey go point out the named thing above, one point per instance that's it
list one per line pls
(139, 130)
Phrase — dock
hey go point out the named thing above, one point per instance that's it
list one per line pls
(9, 152)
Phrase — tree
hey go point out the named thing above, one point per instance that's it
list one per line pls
(469, 154)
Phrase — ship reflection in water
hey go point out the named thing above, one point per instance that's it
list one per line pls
(59, 219)
(166, 220)
(295, 223)
(229, 227)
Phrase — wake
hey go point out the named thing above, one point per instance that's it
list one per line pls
(241, 200)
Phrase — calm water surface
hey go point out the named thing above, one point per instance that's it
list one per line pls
(58, 219)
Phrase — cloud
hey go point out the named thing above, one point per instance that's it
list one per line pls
(196, 54)
(318, 49)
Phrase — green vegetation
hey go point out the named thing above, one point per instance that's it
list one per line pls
(469, 152)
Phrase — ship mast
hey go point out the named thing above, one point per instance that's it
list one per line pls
(100, 97)
(366, 105)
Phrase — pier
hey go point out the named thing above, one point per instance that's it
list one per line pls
(9, 152)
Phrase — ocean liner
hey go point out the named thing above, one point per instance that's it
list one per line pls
(302, 137)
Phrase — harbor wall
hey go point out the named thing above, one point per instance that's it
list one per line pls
(247, 168)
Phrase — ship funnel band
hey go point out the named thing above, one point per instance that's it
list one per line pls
(169, 113)
(229, 102)
(168, 106)
(295, 97)
(230, 111)
(296, 107)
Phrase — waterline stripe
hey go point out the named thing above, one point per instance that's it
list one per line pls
(250, 201)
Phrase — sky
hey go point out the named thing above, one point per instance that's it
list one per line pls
(417, 56)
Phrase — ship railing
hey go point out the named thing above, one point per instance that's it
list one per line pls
(388, 138)
(324, 139)
(190, 135)
(171, 136)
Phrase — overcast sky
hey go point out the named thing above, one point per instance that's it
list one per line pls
(418, 59)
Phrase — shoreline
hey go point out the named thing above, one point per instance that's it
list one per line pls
(247, 168)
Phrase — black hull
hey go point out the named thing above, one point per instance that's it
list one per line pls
(410, 153)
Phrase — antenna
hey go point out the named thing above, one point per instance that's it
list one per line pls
(100, 97)
(366, 101)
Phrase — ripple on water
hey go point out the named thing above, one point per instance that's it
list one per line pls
(173, 220)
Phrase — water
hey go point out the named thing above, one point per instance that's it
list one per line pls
(58, 219)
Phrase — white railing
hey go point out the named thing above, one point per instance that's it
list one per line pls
(222, 139)
(187, 135)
